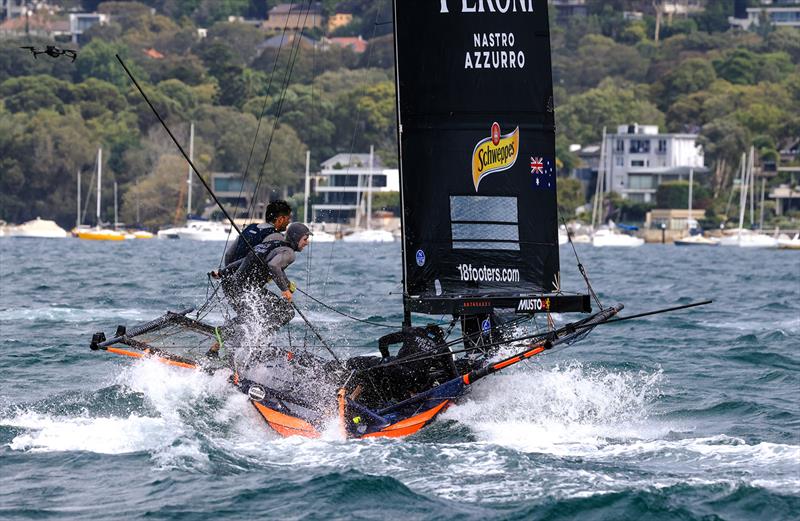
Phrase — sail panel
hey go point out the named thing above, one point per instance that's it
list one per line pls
(477, 148)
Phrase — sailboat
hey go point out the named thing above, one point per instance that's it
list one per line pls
(606, 235)
(742, 237)
(368, 234)
(98, 233)
(479, 240)
(694, 240)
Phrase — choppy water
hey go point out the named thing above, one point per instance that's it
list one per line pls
(693, 415)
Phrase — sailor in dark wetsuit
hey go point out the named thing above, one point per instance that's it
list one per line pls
(277, 217)
(245, 281)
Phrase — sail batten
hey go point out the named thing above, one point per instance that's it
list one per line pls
(477, 154)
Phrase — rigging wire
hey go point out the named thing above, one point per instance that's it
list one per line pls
(581, 269)
(258, 127)
(359, 115)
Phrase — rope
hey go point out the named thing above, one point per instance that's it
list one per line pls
(581, 269)
(258, 128)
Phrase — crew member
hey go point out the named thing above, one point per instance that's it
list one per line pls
(245, 281)
(277, 217)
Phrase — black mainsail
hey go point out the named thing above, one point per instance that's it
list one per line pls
(476, 136)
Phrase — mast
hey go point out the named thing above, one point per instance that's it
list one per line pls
(99, 182)
(598, 190)
(116, 217)
(358, 199)
(307, 188)
(403, 236)
(742, 195)
(752, 188)
(761, 205)
(691, 182)
(369, 186)
(191, 159)
(78, 216)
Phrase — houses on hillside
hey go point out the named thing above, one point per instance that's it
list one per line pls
(638, 158)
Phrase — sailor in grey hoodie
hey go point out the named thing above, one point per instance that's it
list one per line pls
(245, 281)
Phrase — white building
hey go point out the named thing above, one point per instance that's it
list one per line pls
(80, 22)
(779, 13)
(637, 159)
(344, 183)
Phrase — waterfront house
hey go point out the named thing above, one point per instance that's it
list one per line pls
(638, 158)
(344, 186)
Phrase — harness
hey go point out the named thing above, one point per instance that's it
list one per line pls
(254, 235)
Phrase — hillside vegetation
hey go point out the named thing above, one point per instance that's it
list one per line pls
(733, 88)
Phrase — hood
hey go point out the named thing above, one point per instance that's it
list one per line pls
(295, 232)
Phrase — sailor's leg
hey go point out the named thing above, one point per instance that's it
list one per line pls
(278, 309)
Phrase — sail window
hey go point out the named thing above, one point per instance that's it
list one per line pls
(479, 222)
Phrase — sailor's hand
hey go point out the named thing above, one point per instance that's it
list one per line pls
(214, 274)
(292, 286)
(287, 295)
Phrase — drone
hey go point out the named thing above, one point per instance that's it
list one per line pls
(52, 50)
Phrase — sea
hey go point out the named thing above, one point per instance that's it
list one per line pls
(688, 415)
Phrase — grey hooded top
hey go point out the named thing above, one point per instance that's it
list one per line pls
(269, 260)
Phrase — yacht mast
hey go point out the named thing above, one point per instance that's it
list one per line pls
(691, 182)
(369, 187)
(307, 188)
(78, 216)
(99, 182)
(191, 159)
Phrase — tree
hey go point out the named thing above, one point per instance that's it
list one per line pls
(98, 60)
(692, 75)
(599, 57)
(31, 93)
(675, 194)
(570, 196)
(366, 117)
(583, 117)
(156, 195)
(739, 66)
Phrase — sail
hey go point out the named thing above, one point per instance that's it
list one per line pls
(477, 152)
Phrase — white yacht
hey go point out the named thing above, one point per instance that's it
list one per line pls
(322, 236)
(606, 237)
(744, 238)
(38, 228)
(369, 236)
(697, 240)
(785, 243)
(204, 231)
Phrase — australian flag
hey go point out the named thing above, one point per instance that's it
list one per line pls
(543, 172)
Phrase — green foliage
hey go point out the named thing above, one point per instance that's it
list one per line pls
(691, 75)
(583, 117)
(31, 93)
(675, 194)
(386, 201)
(97, 60)
(570, 196)
(735, 88)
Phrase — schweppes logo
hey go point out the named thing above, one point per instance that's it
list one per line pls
(494, 154)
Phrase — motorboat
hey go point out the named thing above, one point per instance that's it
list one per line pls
(322, 236)
(369, 236)
(204, 231)
(606, 237)
(785, 243)
(697, 240)
(748, 239)
(38, 228)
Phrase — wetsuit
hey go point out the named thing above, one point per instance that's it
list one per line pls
(245, 284)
